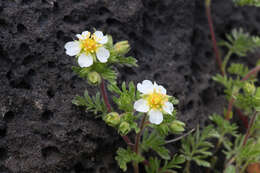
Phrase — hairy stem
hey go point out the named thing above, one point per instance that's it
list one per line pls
(180, 137)
(137, 142)
(109, 109)
(254, 71)
(251, 123)
(226, 59)
(104, 95)
(213, 37)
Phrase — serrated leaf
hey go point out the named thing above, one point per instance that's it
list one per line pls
(202, 162)
(230, 169)
(126, 156)
(155, 142)
(93, 104)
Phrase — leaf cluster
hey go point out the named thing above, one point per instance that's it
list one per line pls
(246, 95)
(93, 104)
(243, 154)
(125, 156)
(168, 166)
(105, 71)
(155, 142)
(126, 97)
(196, 147)
(240, 42)
(224, 129)
(247, 2)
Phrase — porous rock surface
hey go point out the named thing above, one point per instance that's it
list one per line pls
(41, 131)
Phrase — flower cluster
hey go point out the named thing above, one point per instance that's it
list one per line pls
(88, 48)
(154, 101)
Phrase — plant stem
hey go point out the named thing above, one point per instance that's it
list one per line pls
(226, 59)
(109, 109)
(187, 167)
(213, 37)
(180, 137)
(230, 106)
(137, 142)
(104, 94)
(252, 120)
(254, 71)
(242, 117)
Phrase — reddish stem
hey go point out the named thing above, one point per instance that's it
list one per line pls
(242, 117)
(249, 128)
(105, 97)
(137, 141)
(104, 94)
(232, 100)
(213, 38)
(127, 140)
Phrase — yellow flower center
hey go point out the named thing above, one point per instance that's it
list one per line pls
(89, 45)
(156, 100)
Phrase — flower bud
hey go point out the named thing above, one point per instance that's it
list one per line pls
(112, 119)
(177, 126)
(122, 47)
(94, 78)
(124, 128)
(249, 88)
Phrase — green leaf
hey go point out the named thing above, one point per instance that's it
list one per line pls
(240, 42)
(82, 72)
(230, 169)
(155, 142)
(176, 161)
(238, 69)
(126, 98)
(202, 162)
(93, 104)
(153, 166)
(126, 156)
(247, 2)
(109, 74)
(196, 147)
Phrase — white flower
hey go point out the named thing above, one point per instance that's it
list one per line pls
(154, 101)
(88, 47)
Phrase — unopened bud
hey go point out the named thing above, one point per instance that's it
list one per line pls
(122, 47)
(249, 88)
(124, 128)
(94, 78)
(177, 126)
(112, 119)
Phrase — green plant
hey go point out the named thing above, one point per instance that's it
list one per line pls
(138, 109)
(247, 2)
(145, 113)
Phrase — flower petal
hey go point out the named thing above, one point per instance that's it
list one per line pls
(99, 35)
(79, 36)
(85, 34)
(168, 107)
(145, 87)
(159, 88)
(155, 116)
(103, 40)
(102, 54)
(141, 105)
(85, 60)
(72, 48)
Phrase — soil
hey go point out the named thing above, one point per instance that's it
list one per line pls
(42, 132)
